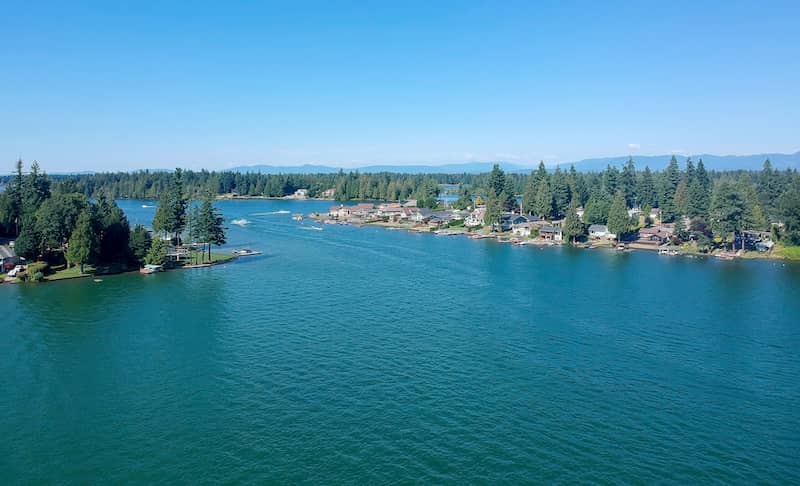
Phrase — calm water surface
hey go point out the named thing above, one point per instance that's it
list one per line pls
(362, 355)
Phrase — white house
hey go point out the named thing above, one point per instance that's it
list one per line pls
(475, 218)
(600, 232)
(523, 229)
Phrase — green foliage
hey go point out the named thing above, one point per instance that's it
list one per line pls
(139, 243)
(464, 198)
(628, 183)
(209, 225)
(789, 209)
(619, 222)
(82, 243)
(573, 226)
(157, 254)
(727, 210)
(646, 190)
(543, 206)
(596, 210)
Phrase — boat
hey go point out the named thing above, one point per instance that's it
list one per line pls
(148, 269)
(246, 252)
(312, 228)
(621, 247)
(240, 222)
(297, 217)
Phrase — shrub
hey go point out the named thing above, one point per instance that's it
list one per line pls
(38, 276)
(38, 267)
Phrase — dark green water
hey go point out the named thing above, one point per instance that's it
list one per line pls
(362, 355)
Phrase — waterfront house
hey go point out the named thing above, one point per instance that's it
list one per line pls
(523, 229)
(551, 233)
(300, 194)
(328, 193)
(333, 211)
(580, 211)
(657, 234)
(475, 218)
(421, 215)
(600, 232)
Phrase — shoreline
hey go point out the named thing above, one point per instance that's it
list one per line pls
(522, 241)
(96, 275)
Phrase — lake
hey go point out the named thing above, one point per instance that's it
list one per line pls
(363, 355)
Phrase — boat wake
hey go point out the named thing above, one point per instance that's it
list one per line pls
(147, 206)
(270, 213)
(311, 228)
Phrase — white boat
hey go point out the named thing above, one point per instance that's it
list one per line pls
(297, 217)
(311, 228)
(246, 252)
(148, 269)
(240, 222)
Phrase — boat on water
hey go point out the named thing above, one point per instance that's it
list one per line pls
(246, 252)
(297, 217)
(148, 269)
(668, 251)
(240, 222)
(312, 228)
(622, 247)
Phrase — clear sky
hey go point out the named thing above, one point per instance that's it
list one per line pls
(124, 85)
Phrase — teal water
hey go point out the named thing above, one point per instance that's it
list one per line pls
(363, 355)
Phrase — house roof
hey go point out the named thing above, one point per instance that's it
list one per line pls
(549, 229)
(598, 228)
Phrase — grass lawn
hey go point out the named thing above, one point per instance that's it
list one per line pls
(62, 273)
(197, 257)
(787, 252)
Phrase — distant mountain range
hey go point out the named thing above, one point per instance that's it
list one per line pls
(655, 162)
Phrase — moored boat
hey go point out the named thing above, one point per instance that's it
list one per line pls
(148, 269)
(246, 252)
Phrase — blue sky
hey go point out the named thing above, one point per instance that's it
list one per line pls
(124, 85)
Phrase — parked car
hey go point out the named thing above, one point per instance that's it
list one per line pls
(14, 271)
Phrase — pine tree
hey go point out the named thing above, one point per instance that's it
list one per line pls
(628, 183)
(139, 243)
(561, 195)
(727, 212)
(669, 185)
(210, 225)
(646, 190)
(543, 207)
(573, 226)
(619, 222)
(82, 243)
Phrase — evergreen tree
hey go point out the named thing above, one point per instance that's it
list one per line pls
(82, 242)
(610, 180)
(560, 190)
(543, 206)
(646, 189)
(727, 211)
(619, 222)
(596, 210)
(210, 225)
(628, 183)
(573, 226)
(139, 243)
(789, 206)
(681, 201)
(157, 253)
(669, 185)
